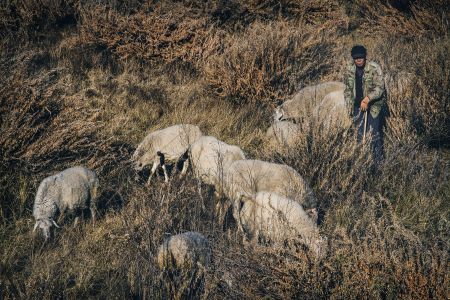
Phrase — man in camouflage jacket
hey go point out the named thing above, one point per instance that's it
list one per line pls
(364, 91)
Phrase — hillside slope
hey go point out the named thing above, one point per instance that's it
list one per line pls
(84, 81)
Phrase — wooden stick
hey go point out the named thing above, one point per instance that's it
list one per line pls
(365, 126)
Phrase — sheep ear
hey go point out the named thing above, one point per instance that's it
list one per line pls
(54, 223)
(245, 198)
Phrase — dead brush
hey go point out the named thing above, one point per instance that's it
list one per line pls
(389, 260)
(425, 18)
(164, 34)
(236, 14)
(265, 63)
(23, 21)
(387, 232)
(417, 87)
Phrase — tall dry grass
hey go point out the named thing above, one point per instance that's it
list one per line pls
(87, 91)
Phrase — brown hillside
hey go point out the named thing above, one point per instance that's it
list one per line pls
(84, 81)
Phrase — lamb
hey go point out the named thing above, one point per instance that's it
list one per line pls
(184, 251)
(284, 133)
(275, 218)
(71, 190)
(305, 100)
(165, 145)
(248, 177)
(183, 259)
(210, 156)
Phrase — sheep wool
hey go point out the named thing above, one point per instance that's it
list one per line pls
(283, 133)
(275, 218)
(305, 100)
(210, 157)
(71, 190)
(163, 146)
(184, 251)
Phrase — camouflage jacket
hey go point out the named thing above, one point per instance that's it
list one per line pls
(373, 87)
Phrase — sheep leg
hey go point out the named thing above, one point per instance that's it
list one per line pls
(76, 221)
(92, 209)
(185, 167)
(236, 214)
(166, 176)
(162, 162)
(154, 167)
(199, 190)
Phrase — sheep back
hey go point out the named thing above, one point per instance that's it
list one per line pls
(332, 111)
(277, 217)
(172, 141)
(184, 251)
(209, 158)
(248, 177)
(284, 133)
(79, 186)
(307, 98)
(70, 189)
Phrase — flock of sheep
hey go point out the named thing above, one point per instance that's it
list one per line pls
(269, 202)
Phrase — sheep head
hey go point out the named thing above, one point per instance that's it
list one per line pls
(278, 115)
(45, 225)
(144, 160)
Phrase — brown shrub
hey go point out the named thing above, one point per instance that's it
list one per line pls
(266, 62)
(422, 18)
(162, 35)
(237, 14)
(28, 18)
(387, 230)
(417, 89)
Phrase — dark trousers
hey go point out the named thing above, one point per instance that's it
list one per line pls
(373, 129)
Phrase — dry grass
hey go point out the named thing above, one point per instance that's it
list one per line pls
(266, 63)
(421, 18)
(87, 91)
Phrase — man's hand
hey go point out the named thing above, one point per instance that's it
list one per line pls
(365, 104)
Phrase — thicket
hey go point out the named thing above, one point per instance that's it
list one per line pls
(84, 81)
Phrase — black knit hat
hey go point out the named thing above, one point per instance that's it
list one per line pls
(359, 51)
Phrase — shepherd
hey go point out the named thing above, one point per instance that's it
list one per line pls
(365, 98)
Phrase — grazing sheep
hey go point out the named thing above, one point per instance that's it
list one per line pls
(183, 259)
(165, 145)
(184, 251)
(276, 218)
(284, 133)
(332, 111)
(73, 189)
(248, 177)
(305, 99)
(210, 156)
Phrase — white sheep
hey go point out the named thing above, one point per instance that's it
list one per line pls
(332, 111)
(210, 156)
(183, 258)
(248, 177)
(305, 100)
(71, 190)
(284, 133)
(165, 145)
(275, 218)
(184, 251)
